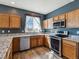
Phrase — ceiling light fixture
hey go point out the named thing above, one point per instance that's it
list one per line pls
(12, 2)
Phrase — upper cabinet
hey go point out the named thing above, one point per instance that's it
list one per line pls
(70, 19)
(4, 21)
(10, 21)
(62, 16)
(15, 21)
(56, 18)
(73, 19)
(50, 23)
(45, 24)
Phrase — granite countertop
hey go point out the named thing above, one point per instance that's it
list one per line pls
(6, 40)
(23, 34)
(74, 38)
(4, 45)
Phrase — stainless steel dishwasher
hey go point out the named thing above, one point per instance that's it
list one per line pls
(24, 43)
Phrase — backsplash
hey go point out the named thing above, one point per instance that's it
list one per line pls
(72, 31)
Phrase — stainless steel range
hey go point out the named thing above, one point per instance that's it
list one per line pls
(56, 42)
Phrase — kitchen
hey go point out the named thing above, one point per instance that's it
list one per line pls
(39, 29)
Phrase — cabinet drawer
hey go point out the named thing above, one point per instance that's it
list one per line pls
(69, 42)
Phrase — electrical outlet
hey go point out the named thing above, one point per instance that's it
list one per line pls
(77, 32)
(3, 31)
(8, 31)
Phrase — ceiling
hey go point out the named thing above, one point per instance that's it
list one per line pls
(40, 6)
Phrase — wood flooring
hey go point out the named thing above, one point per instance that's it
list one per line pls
(36, 53)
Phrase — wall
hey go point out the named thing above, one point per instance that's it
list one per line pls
(21, 12)
(69, 7)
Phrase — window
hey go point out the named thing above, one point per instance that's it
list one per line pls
(32, 24)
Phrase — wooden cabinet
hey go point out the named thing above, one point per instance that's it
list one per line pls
(70, 19)
(76, 18)
(40, 40)
(45, 24)
(73, 19)
(4, 21)
(46, 43)
(69, 49)
(9, 21)
(16, 44)
(62, 17)
(15, 21)
(9, 53)
(56, 18)
(36, 41)
(50, 23)
(33, 41)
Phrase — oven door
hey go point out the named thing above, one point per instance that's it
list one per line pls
(56, 45)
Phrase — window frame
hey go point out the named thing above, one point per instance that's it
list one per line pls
(33, 15)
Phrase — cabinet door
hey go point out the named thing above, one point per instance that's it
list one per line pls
(45, 24)
(69, 50)
(62, 16)
(46, 43)
(33, 41)
(76, 21)
(40, 40)
(56, 18)
(15, 21)
(4, 21)
(50, 23)
(73, 19)
(70, 22)
(16, 44)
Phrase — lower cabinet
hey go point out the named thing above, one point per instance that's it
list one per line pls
(16, 44)
(33, 41)
(36, 41)
(24, 43)
(46, 43)
(69, 50)
(40, 40)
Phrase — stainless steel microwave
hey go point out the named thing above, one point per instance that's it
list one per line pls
(59, 24)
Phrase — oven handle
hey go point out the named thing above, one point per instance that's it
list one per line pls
(55, 38)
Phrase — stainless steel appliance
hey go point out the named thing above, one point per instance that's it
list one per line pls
(56, 41)
(56, 44)
(24, 43)
(59, 24)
